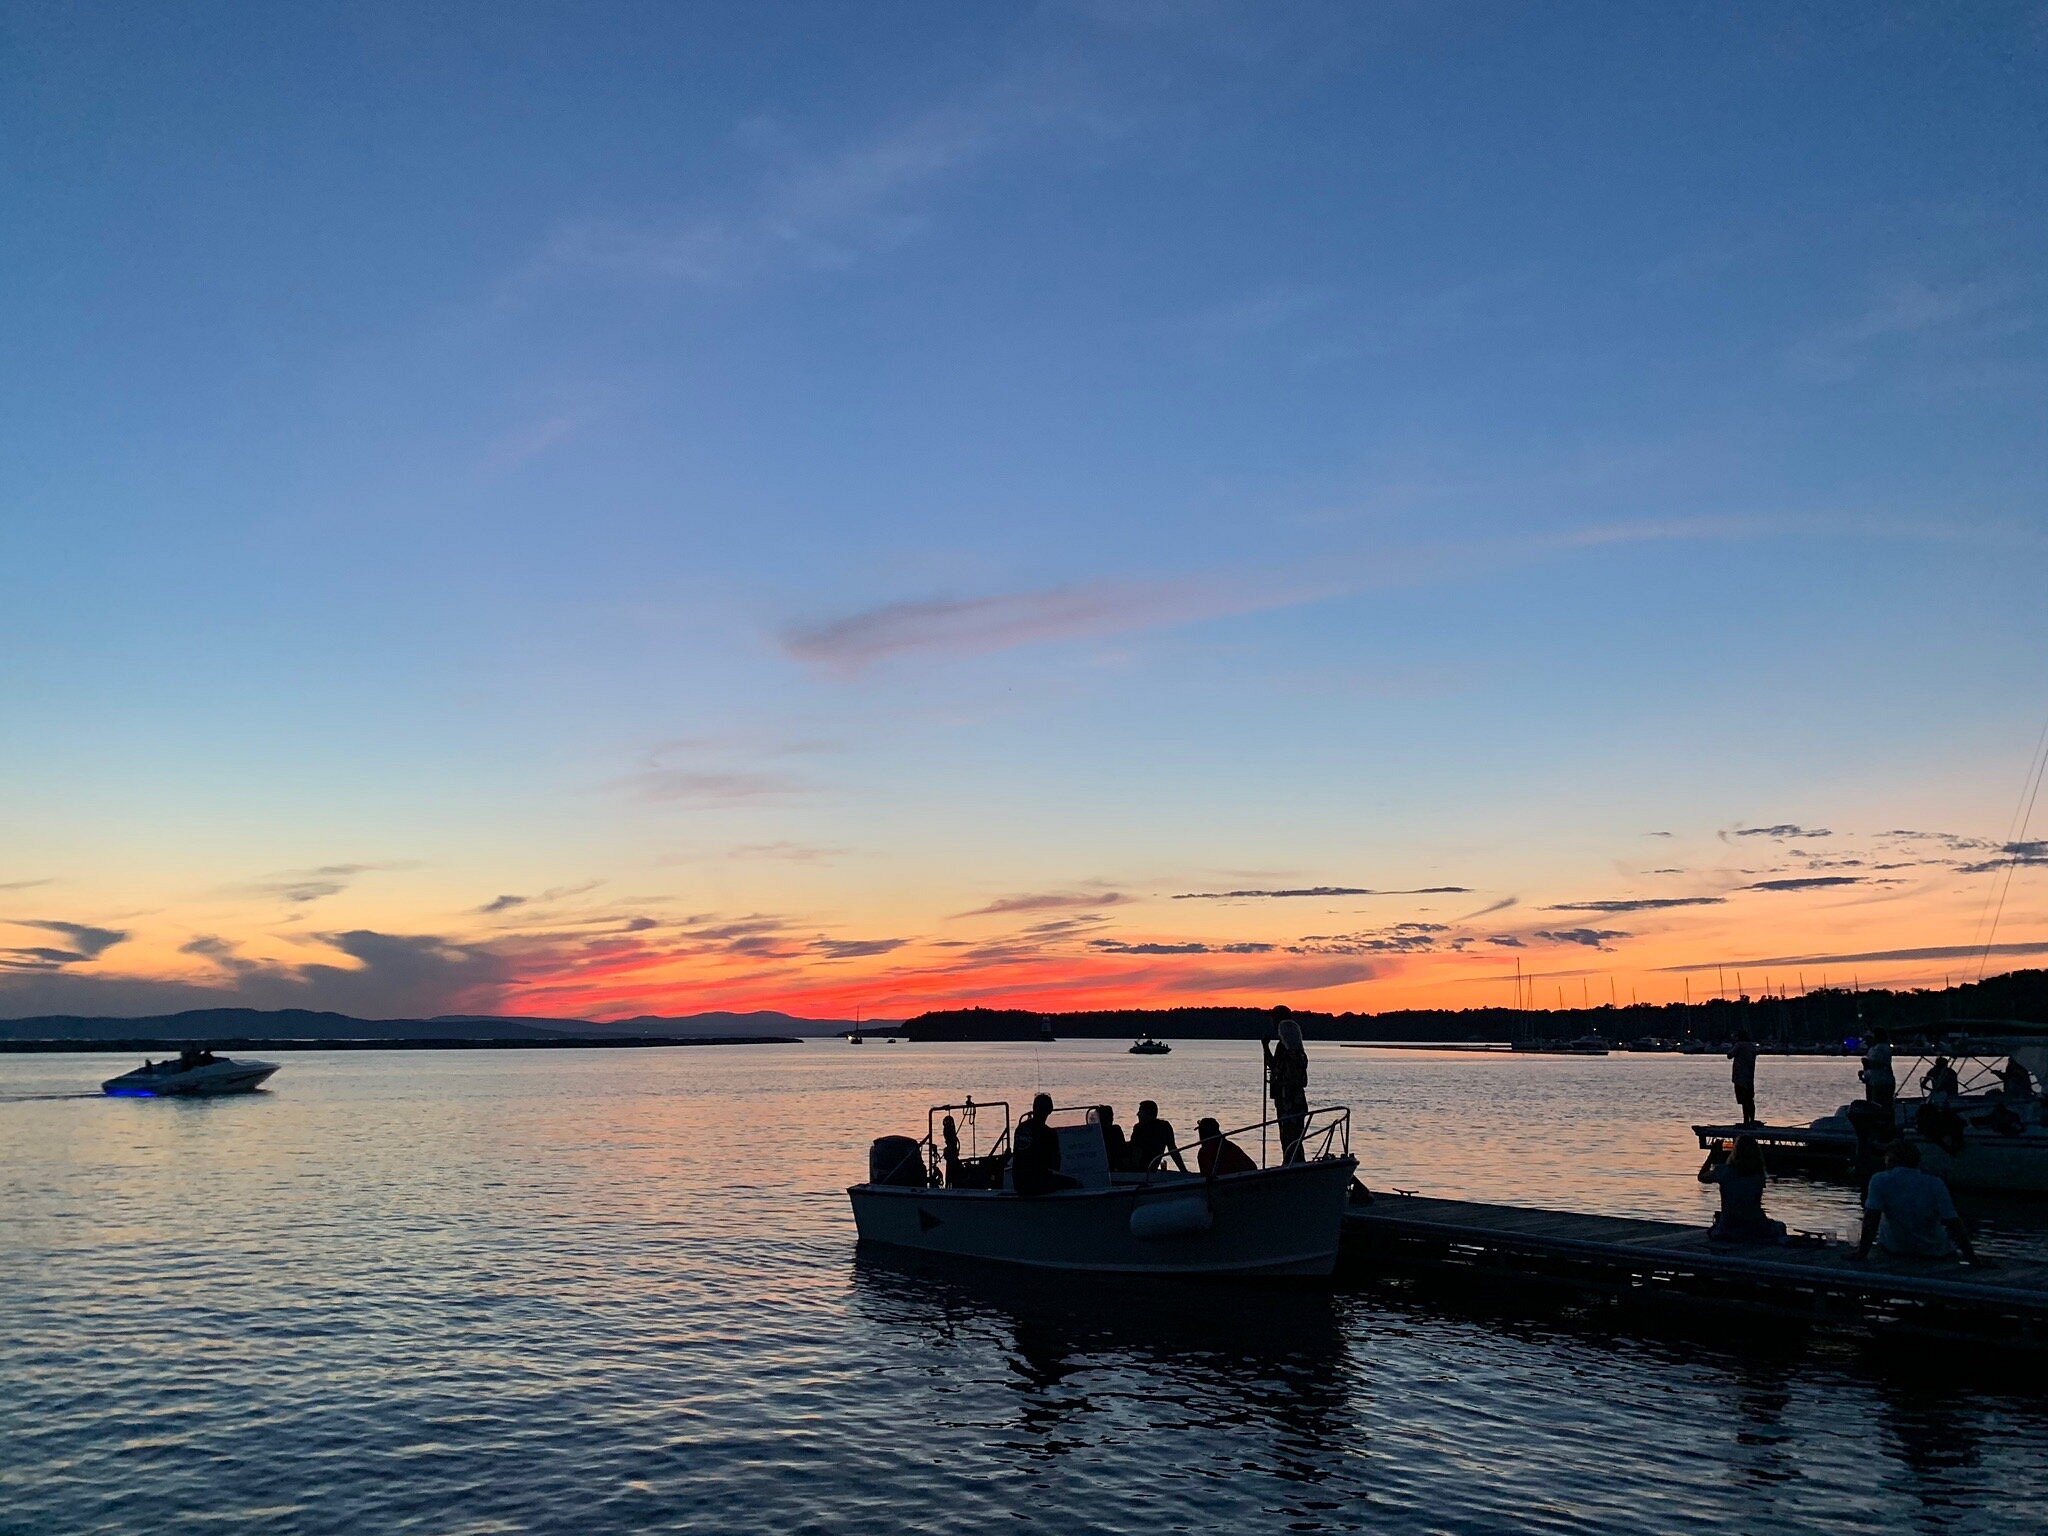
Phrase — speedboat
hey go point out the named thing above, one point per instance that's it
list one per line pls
(1286, 1218)
(1149, 1047)
(190, 1075)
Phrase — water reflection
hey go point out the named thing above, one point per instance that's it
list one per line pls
(1084, 1358)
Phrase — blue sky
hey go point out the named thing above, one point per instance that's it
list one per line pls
(851, 463)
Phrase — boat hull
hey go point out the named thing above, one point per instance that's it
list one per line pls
(201, 1082)
(1277, 1221)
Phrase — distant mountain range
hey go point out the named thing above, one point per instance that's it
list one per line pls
(201, 1024)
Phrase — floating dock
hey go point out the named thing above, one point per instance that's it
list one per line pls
(1671, 1265)
(1789, 1146)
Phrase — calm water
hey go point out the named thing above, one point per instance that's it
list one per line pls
(617, 1291)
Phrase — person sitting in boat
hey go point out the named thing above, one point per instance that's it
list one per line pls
(1910, 1214)
(1035, 1153)
(2015, 1082)
(1941, 1078)
(1740, 1173)
(1940, 1122)
(1151, 1139)
(1216, 1154)
(1113, 1140)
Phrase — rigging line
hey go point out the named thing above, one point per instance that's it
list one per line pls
(2012, 832)
(2017, 846)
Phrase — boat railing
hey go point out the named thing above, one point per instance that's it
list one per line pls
(966, 1147)
(1325, 1133)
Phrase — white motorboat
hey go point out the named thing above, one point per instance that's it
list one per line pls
(191, 1073)
(1283, 1219)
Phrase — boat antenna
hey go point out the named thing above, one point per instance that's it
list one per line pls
(2015, 846)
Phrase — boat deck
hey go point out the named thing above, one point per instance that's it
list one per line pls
(1787, 1146)
(1630, 1257)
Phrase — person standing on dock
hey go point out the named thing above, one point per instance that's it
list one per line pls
(1910, 1214)
(1287, 1083)
(1880, 1084)
(1743, 1056)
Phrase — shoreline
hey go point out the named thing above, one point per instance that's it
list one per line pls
(157, 1043)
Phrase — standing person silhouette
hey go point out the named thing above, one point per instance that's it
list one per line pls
(1742, 1055)
(1287, 1084)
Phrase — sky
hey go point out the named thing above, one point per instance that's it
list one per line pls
(611, 509)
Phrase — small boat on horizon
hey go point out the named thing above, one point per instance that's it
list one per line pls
(1149, 1047)
(193, 1073)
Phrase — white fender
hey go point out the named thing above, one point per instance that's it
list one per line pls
(1184, 1217)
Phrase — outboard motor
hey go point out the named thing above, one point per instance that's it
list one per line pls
(897, 1160)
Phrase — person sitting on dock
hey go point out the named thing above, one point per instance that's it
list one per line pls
(1740, 1173)
(1910, 1214)
(1113, 1140)
(1152, 1139)
(1743, 1055)
(1216, 1154)
(1035, 1154)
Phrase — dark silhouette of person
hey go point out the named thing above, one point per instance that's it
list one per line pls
(1287, 1084)
(1216, 1154)
(1113, 1140)
(950, 1134)
(1941, 1077)
(1941, 1123)
(1740, 1173)
(1880, 1082)
(1152, 1139)
(2015, 1081)
(1742, 1056)
(1910, 1214)
(1035, 1154)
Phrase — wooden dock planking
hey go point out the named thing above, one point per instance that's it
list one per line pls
(1643, 1251)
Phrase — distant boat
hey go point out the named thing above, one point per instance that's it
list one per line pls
(1149, 1047)
(191, 1074)
(1585, 1045)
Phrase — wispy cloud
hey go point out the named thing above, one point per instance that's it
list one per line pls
(1499, 906)
(1873, 956)
(1049, 901)
(1805, 883)
(300, 886)
(710, 786)
(1912, 310)
(80, 943)
(2034, 852)
(1322, 890)
(826, 210)
(1592, 938)
(1638, 904)
(1784, 831)
(977, 625)
(1189, 947)
(83, 941)
(24, 885)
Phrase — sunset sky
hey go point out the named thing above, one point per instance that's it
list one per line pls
(626, 509)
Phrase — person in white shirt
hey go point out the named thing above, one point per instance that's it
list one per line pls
(1910, 1214)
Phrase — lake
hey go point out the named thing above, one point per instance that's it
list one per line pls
(612, 1291)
